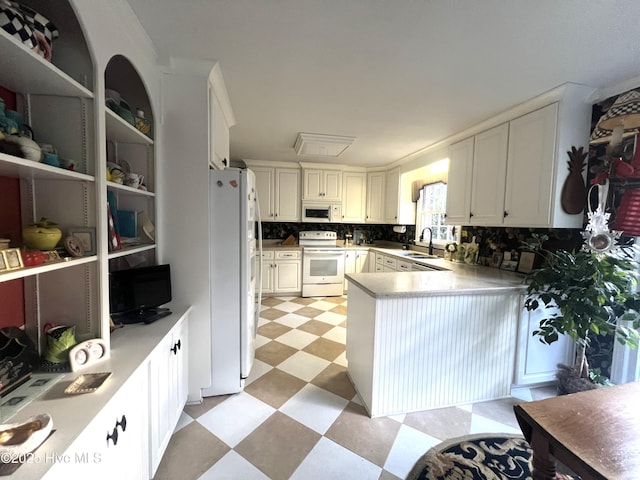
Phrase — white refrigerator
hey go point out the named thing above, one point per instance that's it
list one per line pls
(235, 254)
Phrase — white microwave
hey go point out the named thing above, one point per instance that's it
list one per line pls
(321, 212)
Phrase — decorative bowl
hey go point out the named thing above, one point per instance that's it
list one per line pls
(43, 235)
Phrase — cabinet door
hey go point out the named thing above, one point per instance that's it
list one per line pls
(459, 182)
(160, 409)
(265, 186)
(536, 362)
(530, 168)
(392, 196)
(220, 134)
(332, 185)
(349, 265)
(287, 194)
(489, 174)
(375, 197)
(313, 185)
(353, 196)
(115, 443)
(287, 276)
(361, 261)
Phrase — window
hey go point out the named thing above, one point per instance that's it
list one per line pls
(430, 213)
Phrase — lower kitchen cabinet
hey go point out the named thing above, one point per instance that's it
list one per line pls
(114, 444)
(168, 389)
(121, 430)
(536, 362)
(281, 271)
(355, 261)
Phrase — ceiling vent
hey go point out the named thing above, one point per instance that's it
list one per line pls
(321, 145)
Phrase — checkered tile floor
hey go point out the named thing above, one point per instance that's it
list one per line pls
(300, 418)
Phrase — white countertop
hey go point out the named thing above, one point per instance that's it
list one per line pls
(452, 279)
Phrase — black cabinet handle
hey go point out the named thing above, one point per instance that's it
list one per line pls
(113, 436)
(471, 214)
(506, 213)
(176, 346)
(122, 423)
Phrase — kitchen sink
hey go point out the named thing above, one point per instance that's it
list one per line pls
(418, 255)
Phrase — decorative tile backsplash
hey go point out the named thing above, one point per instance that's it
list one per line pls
(275, 231)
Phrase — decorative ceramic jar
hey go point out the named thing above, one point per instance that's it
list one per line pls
(43, 235)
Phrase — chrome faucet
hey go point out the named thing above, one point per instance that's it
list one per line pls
(430, 238)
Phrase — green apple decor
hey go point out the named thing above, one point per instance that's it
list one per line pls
(43, 235)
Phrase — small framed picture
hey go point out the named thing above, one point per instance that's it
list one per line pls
(87, 238)
(3, 263)
(526, 262)
(12, 258)
(496, 259)
(509, 265)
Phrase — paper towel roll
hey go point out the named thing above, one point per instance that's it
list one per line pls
(400, 228)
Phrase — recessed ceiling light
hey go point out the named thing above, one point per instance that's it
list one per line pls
(321, 145)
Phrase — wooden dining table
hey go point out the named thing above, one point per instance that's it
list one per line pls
(594, 433)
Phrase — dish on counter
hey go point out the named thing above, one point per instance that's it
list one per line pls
(24, 437)
(86, 383)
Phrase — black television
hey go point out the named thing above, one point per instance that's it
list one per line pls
(137, 294)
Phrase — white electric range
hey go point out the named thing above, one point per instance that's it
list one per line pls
(322, 264)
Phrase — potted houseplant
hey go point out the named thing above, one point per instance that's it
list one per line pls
(583, 293)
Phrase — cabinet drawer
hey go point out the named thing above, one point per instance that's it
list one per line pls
(390, 262)
(288, 255)
(267, 255)
(379, 259)
(404, 266)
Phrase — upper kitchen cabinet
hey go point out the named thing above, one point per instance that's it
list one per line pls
(487, 181)
(354, 186)
(399, 208)
(278, 191)
(459, 182)
(321, 184)
(518, 167)
(375, 197)
(221, 120)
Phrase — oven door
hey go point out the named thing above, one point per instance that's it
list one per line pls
(322, 266)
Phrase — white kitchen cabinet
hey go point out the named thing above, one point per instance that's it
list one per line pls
(115, 444)
(355, 262)
(489, 173)
(392, 195)
(354, 187)
(390, 264)
(519, 167)
(321, 184)
(375, 209)
(278, 193)
(459, 182)
(287, 194)
(168, 389)
(219, 155)
(281, 271)
(267, 271)
(537, 362)
(399, 209)
(530, 168)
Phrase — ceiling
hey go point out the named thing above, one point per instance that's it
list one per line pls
(399, 75)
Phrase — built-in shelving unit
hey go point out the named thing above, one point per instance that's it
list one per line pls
(57, 100)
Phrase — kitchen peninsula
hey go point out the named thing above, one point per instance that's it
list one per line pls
(423, 340)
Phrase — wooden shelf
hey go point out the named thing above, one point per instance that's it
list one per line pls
(17, 167)
(47, 267)
(34, 75)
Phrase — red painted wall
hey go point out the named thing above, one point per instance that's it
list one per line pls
(11, 293)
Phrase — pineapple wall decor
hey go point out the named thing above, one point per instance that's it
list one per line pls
(574, 190)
